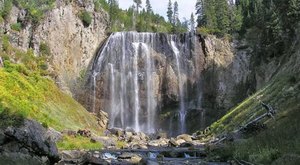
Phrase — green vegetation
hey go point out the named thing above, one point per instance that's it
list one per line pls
(26, 92)
(78, 142)
(281, 137)
(140, 20)
(16, 26)
(8, 118)
(86, 18)
(35, 9)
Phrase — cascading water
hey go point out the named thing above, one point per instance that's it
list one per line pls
(130, 76)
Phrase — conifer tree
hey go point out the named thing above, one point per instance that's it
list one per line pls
(170, 12)
(148, 7)
(192, 23)
(175, 14)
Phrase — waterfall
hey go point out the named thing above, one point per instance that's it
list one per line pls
(136, 89)
(182, 109)
(128, 76)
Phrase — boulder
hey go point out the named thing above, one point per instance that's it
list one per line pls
(53, 135)
(84, 133)
(116, 131)
(106, 141)
(31, 140)
(173, 142)
(186, 144)
(185, 137)
(180, 141)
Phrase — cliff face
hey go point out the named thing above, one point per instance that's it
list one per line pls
(72, 45)
(227, 76)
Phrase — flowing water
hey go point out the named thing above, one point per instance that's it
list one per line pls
(128, 76)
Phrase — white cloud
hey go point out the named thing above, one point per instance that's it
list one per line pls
(186, 7)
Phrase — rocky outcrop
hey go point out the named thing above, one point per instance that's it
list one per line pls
(72, 45)
(27, 144)
(226, 79)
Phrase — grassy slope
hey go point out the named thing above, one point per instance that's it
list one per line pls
(38, 98)
(281, 139)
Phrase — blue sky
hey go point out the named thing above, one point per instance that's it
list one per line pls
(186, 7)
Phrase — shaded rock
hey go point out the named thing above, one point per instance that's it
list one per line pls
(116, 131)
(84, 133)
(15, 158)
(74, 154)
(173, 143)
(186, 144)
(32, 136)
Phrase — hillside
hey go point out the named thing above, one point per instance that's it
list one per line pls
(37, 97)
(278, 139)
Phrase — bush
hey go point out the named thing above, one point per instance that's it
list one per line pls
(16, 27)
(86, 18)
(45, 49)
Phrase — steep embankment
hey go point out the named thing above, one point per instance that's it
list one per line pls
(278, 141)
(38, 98)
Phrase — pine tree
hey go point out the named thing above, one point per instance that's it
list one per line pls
(170, 12)
(192, 23)
(148, 7)
(113, 11)
(138, 4)
(200, 12)
(175, 14)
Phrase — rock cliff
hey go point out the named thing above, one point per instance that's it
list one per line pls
(72, 45)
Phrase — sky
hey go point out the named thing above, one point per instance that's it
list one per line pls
(186, 7)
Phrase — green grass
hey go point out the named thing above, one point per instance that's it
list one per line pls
(78, 142)
(38, 98)
(282, 136)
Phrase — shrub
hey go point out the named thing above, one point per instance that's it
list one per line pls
(5, 43)
(86, 18)
(45, 49)
(16, 27)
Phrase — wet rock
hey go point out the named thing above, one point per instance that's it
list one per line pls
(130, 157)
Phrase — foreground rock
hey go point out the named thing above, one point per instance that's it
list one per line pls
(27, 144)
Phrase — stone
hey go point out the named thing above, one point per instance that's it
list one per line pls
(32, 136)
(117, 131)
(69, 132)
(54, 135)
(180, 141)
(173, 142)
(186, 144)
(185, 137)
(73, 154)
(2, 137)
(106, 141)
(84, 133)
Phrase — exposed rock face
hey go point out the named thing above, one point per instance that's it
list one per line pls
(71, 44)
(28, 144)
(226, 79)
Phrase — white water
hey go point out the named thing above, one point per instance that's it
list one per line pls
(182, 109)
(126, 69)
